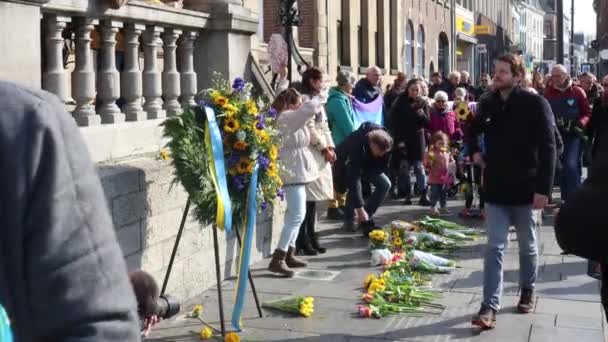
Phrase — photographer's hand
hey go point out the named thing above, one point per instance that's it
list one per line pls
(149, 323)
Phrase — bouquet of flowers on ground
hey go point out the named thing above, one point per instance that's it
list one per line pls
(396, 291)
(249, 137)
(398, 232)
(429, 263)
(428, 242)
(299, 305)
(448, 229)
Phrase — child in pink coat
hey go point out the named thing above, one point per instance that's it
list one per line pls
(440, 166)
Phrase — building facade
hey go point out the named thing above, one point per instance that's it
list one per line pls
(412, 36)
(493, 31)
(601, 8)
(528, 21)
(551, 36)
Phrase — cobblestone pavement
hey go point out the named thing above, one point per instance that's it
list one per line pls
(567, 309)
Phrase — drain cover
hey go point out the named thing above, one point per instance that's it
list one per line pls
(317, 275)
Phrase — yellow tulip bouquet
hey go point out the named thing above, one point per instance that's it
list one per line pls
(299, 305)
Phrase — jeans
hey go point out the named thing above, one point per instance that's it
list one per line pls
(295, 196)
(571, 166)
(382, 186)
(439, 193)
(420, 175)
(499, 219)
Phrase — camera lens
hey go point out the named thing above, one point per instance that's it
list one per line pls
(167, 306)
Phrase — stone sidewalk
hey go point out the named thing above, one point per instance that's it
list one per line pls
(568, 303)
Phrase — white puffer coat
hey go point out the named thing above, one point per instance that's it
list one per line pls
(298, 160)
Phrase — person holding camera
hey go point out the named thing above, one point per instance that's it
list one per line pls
(62, 273)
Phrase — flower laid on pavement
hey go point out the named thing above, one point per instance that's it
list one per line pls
(232, 337)
(206, 333)
(296, 305)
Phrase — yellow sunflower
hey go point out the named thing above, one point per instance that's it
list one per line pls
(240, 145)
(262, 135)
(397, 241)
(273, 153)
(230, 109)
(214, 95)
(463, 111)
(220, 101)
(244, 165)
(252, 109)
(231, 125)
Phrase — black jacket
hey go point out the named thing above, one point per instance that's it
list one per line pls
(580, 227)
(520, 147)
(598, 127)
(355, 159)
(443, 86)
(408, 120)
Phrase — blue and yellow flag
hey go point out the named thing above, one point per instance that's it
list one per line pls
(5, 327)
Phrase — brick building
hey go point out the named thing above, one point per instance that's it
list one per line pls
(398, 35)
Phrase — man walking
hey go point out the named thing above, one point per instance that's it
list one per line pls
(572, 114)
(517, 179)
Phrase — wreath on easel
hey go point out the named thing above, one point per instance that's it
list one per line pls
(248, 136)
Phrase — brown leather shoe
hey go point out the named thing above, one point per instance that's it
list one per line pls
(526, 301)
(291, 260)
(278, 264)
(485, 318)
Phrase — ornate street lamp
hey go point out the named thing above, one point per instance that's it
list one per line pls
(290, 17)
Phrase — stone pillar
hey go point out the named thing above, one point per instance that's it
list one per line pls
(171, 82)
(83, 77)
(54, 77)
(130, 79)
(225, 45)
(151, 76)
(108, 77)
(186, 62)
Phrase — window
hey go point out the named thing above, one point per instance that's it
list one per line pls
(340, 43)
(420, 61)
(409, 49)
(380, 33)
(364, 34)
(344, 34)
(394, 50)
(360, 44)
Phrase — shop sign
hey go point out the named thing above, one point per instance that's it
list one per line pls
(465, 26)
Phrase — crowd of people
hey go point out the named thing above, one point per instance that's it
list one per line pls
(504, 143)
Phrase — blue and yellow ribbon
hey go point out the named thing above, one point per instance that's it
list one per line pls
(215, 155)
(5, 327)
(243, 271)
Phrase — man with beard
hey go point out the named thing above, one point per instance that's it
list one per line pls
(518, 176)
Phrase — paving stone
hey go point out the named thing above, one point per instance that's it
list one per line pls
(570, 307)
(559, 334)
(569, 321)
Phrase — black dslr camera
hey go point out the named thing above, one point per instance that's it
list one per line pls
(149, 302)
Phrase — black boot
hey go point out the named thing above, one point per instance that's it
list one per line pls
(303, 244)
(424, 199)
(311, 227)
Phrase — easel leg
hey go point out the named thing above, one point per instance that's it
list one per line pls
(255, 293)
(177, 239)
(218, 279)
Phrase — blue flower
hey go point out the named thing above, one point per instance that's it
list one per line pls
(260, 125)
(263, 162)
(264, 206)
(239, 182)
(281, 194)
(272, 113)
(238, 84)
(233, 160)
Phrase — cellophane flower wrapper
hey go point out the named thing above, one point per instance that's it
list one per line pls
(298, 305)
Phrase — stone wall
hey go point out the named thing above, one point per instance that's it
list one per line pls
(147, 209)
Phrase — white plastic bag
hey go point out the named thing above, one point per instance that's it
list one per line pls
(381, 257)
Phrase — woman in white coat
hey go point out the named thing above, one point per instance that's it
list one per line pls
(322, 148)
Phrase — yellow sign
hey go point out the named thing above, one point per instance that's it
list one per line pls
(482, 29)
(464, 26)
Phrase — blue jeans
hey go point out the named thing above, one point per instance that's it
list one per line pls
(439, 193)
(571, 166)
(382, 186)
(498, 220)
(420, 175)
(295, 196)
